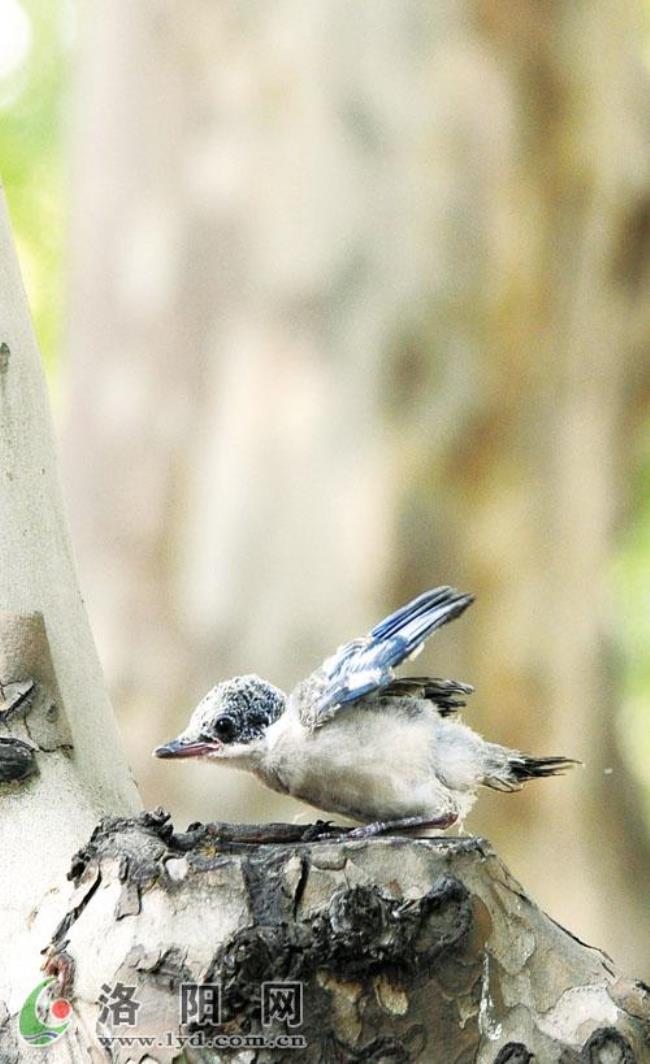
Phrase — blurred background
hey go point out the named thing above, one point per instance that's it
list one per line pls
(338, 302)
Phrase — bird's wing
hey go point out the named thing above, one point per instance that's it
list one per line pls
(447, 695)
(367, 664)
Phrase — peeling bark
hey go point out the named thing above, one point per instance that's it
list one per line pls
(422, 950)
(17, 760)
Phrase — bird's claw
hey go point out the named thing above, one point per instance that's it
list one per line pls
(320, 830)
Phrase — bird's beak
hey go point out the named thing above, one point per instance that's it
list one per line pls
(185, 748)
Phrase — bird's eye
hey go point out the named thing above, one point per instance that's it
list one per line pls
(225, 728)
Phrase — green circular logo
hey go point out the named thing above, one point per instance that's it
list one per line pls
(44, 1016)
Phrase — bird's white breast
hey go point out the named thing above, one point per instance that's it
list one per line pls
(367, 762)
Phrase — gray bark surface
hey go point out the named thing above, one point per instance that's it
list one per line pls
(61, 759)
(409, 950)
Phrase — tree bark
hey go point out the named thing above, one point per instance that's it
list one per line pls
(407, 951)
(61, 760)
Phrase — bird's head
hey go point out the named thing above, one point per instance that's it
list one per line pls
(229, 723)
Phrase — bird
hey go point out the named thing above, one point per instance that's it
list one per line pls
(390, 754)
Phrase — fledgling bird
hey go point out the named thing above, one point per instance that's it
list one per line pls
(352, 739)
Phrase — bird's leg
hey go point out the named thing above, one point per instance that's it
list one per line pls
(383, 827)
(255, 834)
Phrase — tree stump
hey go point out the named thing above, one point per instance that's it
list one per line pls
(404, 950)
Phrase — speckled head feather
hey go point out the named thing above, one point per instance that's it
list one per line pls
(237, 711)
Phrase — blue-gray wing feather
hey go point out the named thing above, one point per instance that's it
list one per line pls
(366, 665)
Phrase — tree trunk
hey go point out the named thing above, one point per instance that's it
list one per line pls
(403, 952)
(61, 759)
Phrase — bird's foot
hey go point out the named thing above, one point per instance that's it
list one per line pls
(322, 829)
(387, 827)
(255, 834)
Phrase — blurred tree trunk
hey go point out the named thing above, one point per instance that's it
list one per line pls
(549, 305)
(370, 320)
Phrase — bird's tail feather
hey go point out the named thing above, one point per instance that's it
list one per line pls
(520, 768)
